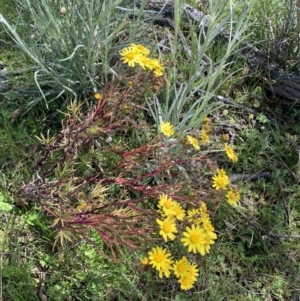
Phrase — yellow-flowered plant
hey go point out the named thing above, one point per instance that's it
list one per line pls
(181, 267)
(194, 239)
(138, 54)
(197, 237)
(192, 227)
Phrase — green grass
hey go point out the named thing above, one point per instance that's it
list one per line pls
(55, 155)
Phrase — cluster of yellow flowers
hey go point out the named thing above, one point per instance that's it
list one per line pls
(206, 131)
(198, 235)
(220, 179)
(221, 182)
(138, 54)
(168, 130)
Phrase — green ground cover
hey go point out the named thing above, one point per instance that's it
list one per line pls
(101, 136)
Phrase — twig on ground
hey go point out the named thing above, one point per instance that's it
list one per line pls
(252, 177)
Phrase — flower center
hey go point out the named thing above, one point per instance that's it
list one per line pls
(130, 56)
(181, 267)
(220, 182)
(159, 257)
(166, 227)
(168, 204)
(194, 238)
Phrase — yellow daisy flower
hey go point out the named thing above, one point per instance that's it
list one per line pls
(165, 205)
(145, 261)
(234, 158)
(156, 66)
(193, 271)
(233, 197)
(194, 239)
(167, 129)
(97, 96)
(161, 261)
(181, 267)
(230, 153)
(194, 217)
(193, 141)
(159, 72)
(204, 137)
(129, 56)
(179, 212)
(206, 246)
(221, 172)
(186, 283)
(145, 62)
(220, 180)
(203, 210)
(140, 49)
(209, 229)
(167, 228)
